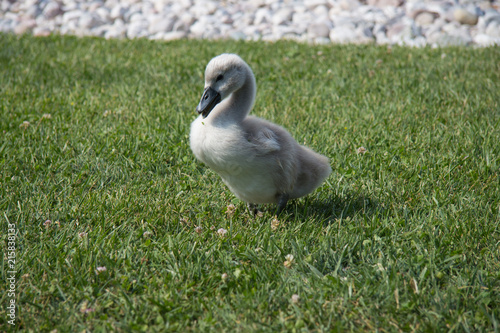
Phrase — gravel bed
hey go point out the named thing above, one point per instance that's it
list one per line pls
(411, 23)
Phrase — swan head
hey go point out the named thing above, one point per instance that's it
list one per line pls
(224, 75)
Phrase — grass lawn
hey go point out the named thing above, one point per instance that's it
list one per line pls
(405, 237)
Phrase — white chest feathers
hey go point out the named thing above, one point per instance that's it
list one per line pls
(226, 151)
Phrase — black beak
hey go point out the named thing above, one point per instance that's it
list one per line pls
(208, 101)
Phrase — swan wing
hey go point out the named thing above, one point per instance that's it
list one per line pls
(265, 141)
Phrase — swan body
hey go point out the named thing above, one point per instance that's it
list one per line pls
(259, 161)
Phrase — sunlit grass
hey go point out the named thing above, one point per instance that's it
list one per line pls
(143, 237)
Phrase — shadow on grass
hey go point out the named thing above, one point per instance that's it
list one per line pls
(335, 207)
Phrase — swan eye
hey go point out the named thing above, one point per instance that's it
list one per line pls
(219, 78)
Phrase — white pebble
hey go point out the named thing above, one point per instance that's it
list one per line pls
(319, 30)
(51, 10)
(343, 35)
(88, 20)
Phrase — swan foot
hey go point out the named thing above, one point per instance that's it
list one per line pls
(282, 200)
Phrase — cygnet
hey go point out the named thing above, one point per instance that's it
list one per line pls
(259, 161)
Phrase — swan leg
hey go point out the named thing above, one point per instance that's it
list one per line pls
(253, 208)
(282, 200)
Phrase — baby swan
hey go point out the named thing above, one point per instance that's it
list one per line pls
(259, 161)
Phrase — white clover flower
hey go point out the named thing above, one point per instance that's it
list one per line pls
(230, 210)
(101, 269)
(362, 150)
(289, 261)
(275, 223)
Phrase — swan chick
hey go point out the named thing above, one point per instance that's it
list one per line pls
(258, 160)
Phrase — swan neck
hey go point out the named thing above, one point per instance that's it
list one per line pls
(244, 98)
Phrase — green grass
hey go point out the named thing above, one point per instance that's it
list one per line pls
(403, 238)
